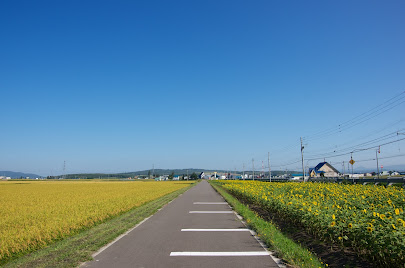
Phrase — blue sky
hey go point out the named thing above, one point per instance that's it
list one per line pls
(114, 86)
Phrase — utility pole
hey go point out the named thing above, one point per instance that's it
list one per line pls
(343, 165)
(268, 161)
(64, 169)
(253, 167)
(351, 158)
(243, 171)
(376, 157)
(302, 160)
(262, 169)
(153, 171)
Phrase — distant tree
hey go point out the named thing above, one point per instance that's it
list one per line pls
(171, 176)
(322, 175)
(148, 173)
(194, 176)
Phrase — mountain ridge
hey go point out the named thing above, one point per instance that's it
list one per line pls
(16, 175)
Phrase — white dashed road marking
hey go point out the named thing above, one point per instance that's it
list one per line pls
(216, 230)
(219, 212)
(243, 253)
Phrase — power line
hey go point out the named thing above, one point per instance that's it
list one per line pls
(352, 148)
(373, 132)
(373, 159)
(358, 150)
(357, 120)
(360, 118)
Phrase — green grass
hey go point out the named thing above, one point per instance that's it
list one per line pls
(285, 248)
(72, 251)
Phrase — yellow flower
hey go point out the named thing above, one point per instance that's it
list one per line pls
(396, 211)
(350, 225)
(340, 238)
(382, 216)
(369, 229)
(333, 216)
(393, 226)
(332, 223)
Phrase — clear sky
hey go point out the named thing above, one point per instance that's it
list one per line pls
(114, 86)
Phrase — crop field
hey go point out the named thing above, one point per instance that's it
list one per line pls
(35, 213)
(368, 218)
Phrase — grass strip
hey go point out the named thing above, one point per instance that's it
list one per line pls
(285, 248)
(72, 251)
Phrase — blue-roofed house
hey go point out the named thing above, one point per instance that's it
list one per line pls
(323, 168)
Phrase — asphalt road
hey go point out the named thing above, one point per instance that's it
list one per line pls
(177, 236)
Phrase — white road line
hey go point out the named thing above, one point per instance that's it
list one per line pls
(211, 212)
(240, 253)
(216, 230)
(210, 203)
(127, 232)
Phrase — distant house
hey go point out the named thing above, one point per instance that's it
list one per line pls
(323, 168)
(161, 178)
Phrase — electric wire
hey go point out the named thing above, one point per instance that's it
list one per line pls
(387, 105)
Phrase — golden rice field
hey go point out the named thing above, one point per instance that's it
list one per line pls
(34, 213)
(368, 218)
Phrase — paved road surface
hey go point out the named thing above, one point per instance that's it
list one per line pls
(174, 235)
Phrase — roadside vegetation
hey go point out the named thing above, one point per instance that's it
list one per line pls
(284, 247)
(37, 214)
(367, 219)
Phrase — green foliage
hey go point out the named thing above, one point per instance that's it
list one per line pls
(171, 176)
(286, 248)
(367, 218)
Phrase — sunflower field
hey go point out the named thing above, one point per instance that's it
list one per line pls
(368, 218)
(35, 213)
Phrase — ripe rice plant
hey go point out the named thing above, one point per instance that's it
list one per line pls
(369, 218)
(33, 214)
